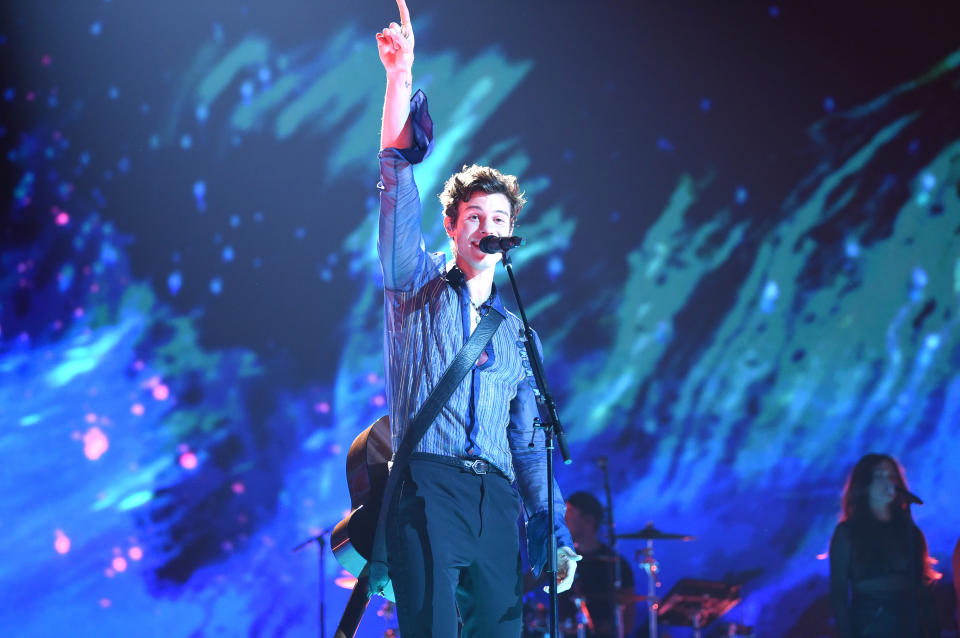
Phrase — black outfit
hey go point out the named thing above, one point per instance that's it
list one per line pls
(876, 581)
(594, 583)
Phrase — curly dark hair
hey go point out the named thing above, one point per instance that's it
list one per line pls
(461, 186)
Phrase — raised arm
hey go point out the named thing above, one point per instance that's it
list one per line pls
(395, 46)
(405, 139)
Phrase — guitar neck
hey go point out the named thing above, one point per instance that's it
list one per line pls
(359, 598)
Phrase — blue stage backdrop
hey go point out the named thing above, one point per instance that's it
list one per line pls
(743, 255)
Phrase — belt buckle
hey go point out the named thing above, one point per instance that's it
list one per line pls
(477, 466)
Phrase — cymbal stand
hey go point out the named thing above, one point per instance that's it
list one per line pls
(696, 625)
(612, 528)
(651, 567)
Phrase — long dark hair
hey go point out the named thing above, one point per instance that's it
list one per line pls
(856, 493)
(856, 506)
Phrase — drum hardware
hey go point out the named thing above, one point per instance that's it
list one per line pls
(651, 567)
(697, 603)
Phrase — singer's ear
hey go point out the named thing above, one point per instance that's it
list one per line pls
(448, 225)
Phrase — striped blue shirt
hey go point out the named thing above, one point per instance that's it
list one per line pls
(426, 322)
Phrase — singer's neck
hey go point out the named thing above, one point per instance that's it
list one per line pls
(880, 512)
(479, 281)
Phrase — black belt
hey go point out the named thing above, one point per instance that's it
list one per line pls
(473, 465)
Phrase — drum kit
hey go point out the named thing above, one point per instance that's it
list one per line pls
(690, 603)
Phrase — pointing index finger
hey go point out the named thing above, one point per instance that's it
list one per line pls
(404, 13)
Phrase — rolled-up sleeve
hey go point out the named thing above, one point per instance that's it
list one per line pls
(400, 239)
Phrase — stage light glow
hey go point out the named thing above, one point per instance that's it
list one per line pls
(188, 461)
(61, 542)
(95, 443)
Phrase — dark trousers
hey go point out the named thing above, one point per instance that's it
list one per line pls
(452, 542)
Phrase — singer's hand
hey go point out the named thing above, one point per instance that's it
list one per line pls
(566, 568)
(395, 43)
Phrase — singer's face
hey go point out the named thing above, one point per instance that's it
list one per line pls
(483, 214)
(883, 487)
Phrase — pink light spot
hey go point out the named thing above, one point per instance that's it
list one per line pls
(119, 564)
(322, 407)
(62, 219)
(161, 392)
(238, 488)
(136, 409)
(152, 382)
(77, 312)
(822, 556)
(188, 461)
(61, 542)
(90, 417)
(46, 60)
(336, 448)
(109, 573)
(76, 435)
(95, 443)
(135, 553)
(138, 365)
(31, 96)
(105, 602)
(372, 377)
(94, 287)
(379, 400)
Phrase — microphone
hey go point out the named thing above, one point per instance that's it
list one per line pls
(909, 497)
(492, 244)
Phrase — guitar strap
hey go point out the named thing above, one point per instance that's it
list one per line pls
(425, 417)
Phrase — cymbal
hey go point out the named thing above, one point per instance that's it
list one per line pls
(651, 533)
(624, 597)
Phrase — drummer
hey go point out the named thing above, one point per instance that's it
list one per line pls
(594, 581)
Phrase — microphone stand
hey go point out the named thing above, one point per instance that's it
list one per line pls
(321, 591)
(617, 575)
(552, 428)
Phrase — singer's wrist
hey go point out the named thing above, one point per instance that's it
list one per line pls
(400, 77)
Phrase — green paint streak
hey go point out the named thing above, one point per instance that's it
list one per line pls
(246, 116)
(664, 271)
(83, 359)
(251, 52)
(135, 500)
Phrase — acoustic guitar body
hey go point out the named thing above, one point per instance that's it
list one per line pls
(367, 470)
